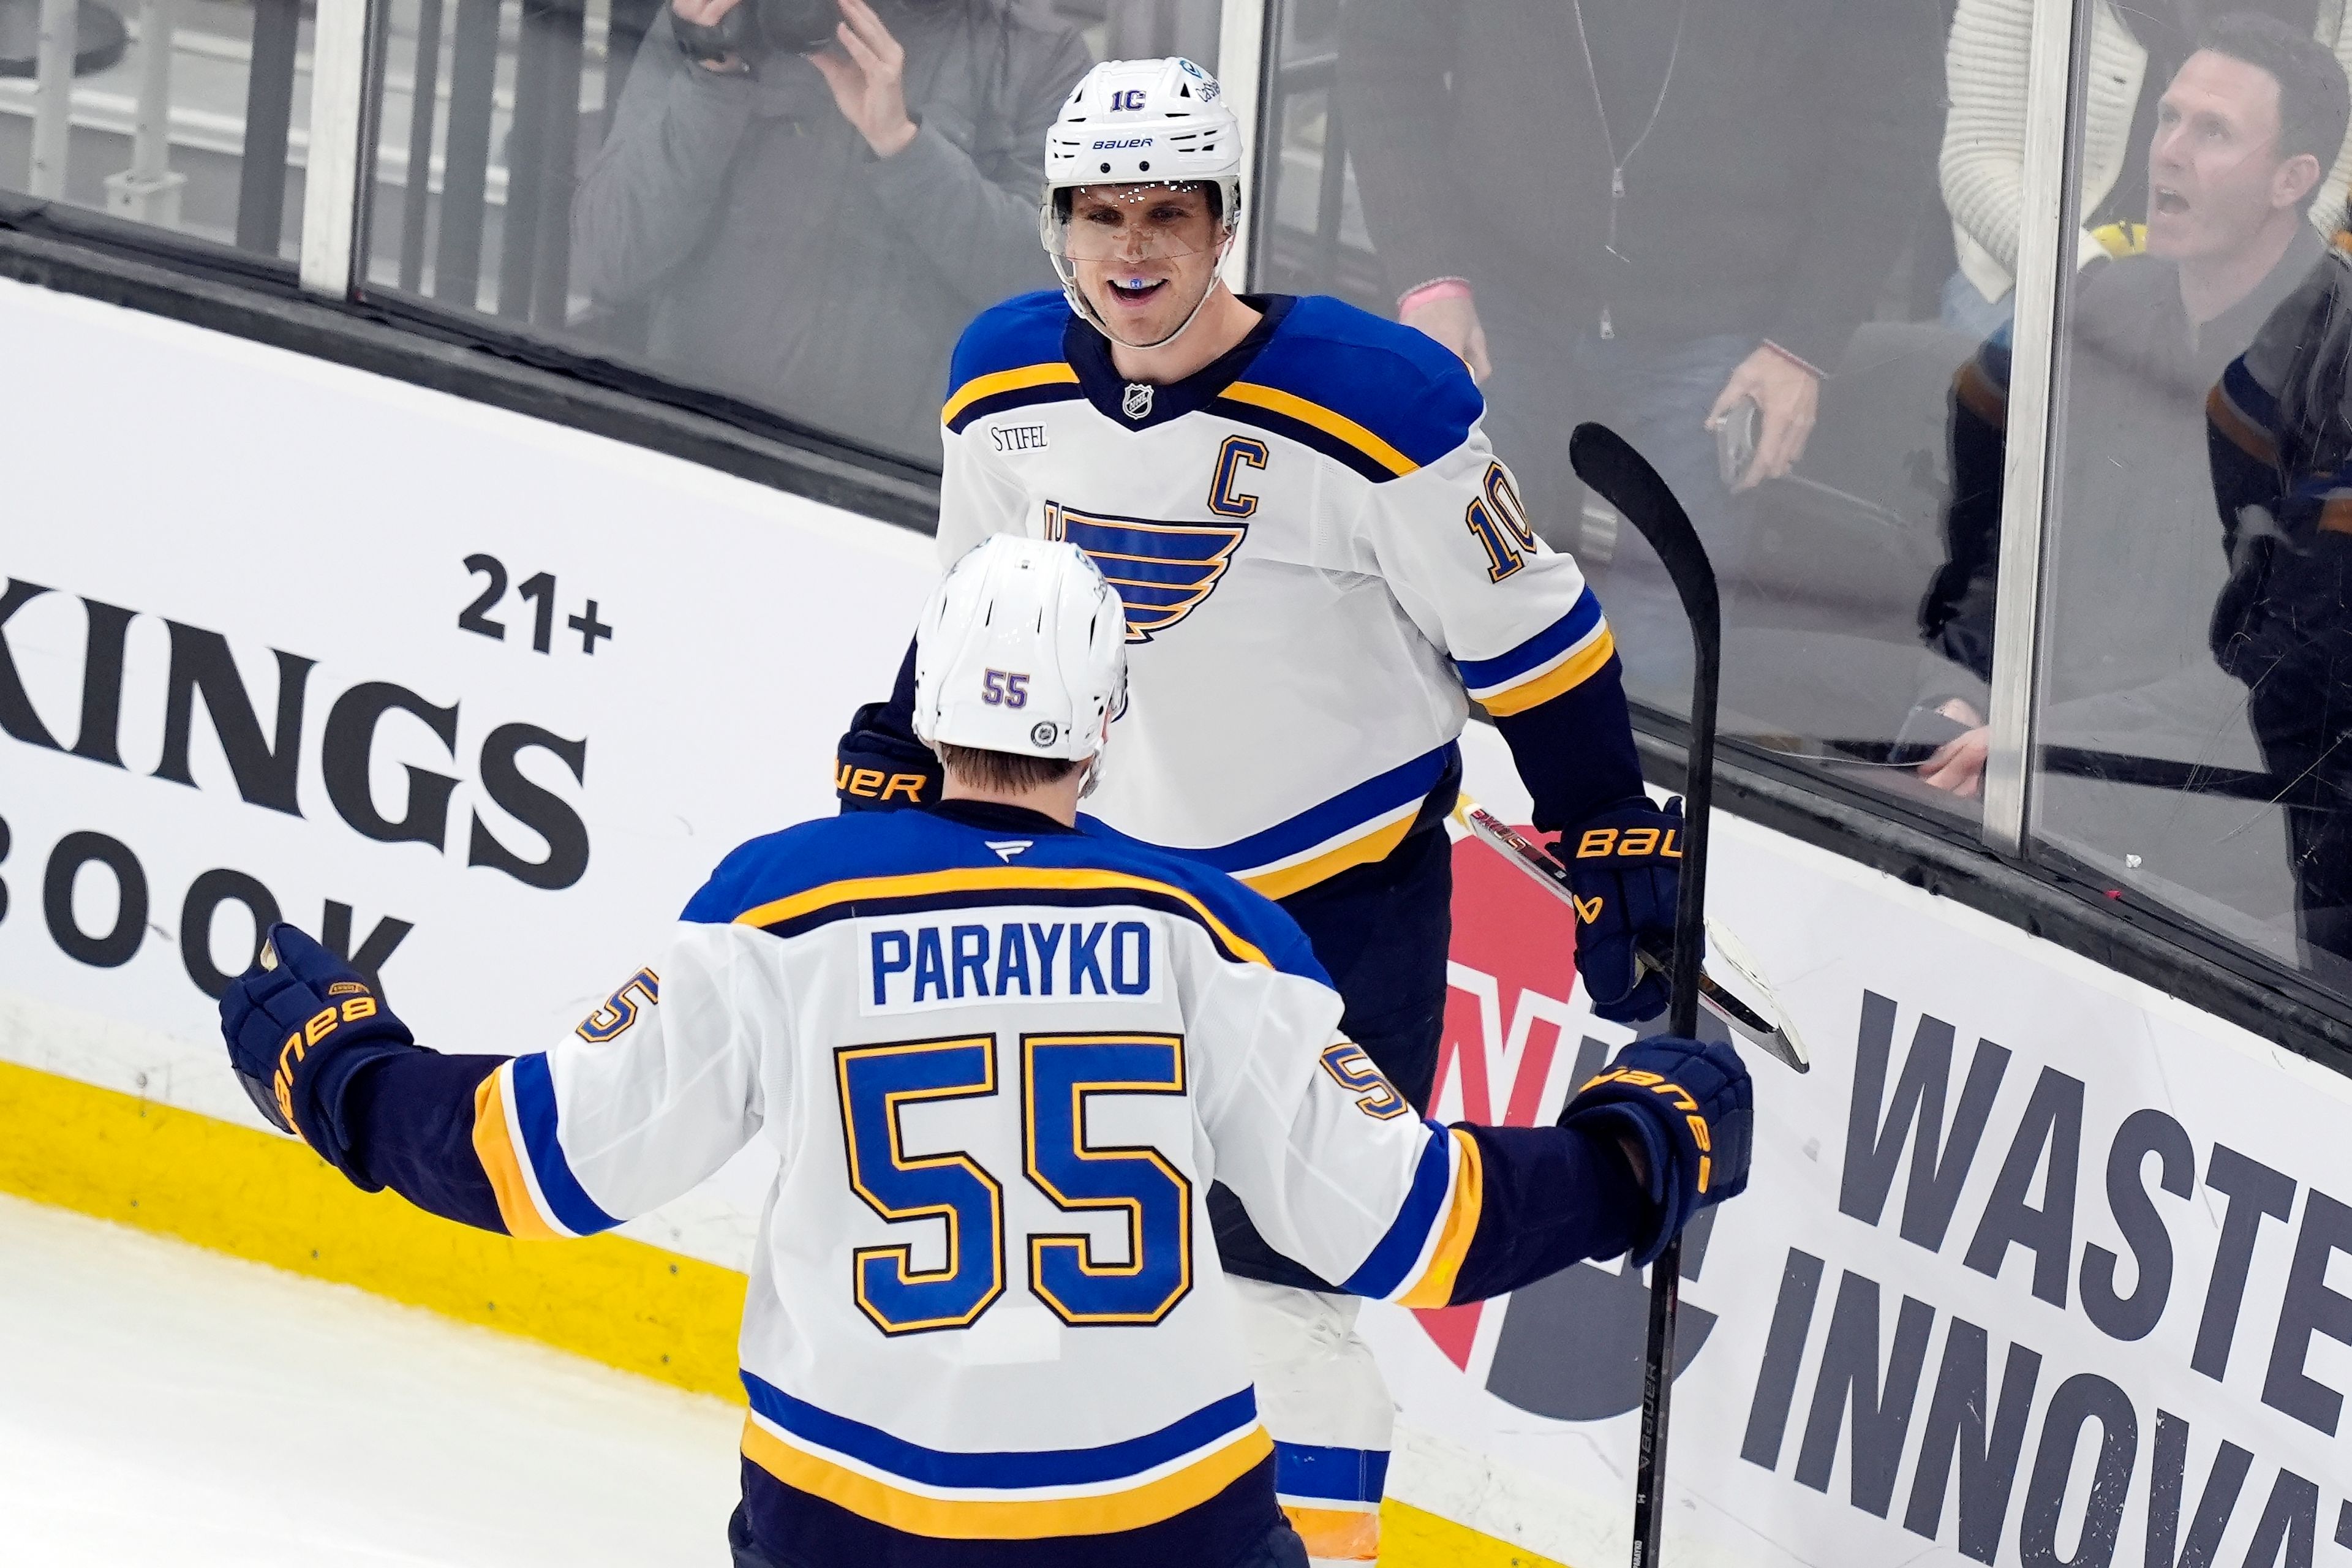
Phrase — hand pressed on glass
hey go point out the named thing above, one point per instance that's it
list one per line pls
(1959, 763)
(1453, 320)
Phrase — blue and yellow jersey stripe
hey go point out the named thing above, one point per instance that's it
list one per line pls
(1557, 660)
(1357, 826)
(872, 863)
(1375, 843)
(999, 390)
(1417, 1262)
(977, 886)
(1328, 431)
(1379, 398)
(1010, 355)
(515, 1122)
(1003, 1495)
(1382, 398)
(1464, 1199)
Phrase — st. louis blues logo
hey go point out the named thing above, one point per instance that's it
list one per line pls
(1163, 570)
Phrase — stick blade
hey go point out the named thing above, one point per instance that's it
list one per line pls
(1728, 951)
(1620, 476)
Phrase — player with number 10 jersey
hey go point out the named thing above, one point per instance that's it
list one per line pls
(1323, 564)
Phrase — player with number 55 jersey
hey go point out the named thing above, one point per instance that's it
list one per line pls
(999, 1060)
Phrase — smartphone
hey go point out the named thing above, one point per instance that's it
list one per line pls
(1735, 441)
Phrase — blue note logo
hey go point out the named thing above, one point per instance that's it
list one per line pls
(1163, 570)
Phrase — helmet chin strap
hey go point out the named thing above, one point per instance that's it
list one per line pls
(1102, 745)
(1085, 307)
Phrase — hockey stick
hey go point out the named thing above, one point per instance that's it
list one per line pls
(1768, 1026)
(1624, 479)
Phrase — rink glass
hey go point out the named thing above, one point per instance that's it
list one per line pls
(1628, 233)
(1822, 572)
(735, 239)
(199, 139)
(2185, 762)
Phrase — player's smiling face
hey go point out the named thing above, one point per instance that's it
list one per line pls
(1144, 254)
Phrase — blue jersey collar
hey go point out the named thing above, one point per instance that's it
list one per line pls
(1088, 353)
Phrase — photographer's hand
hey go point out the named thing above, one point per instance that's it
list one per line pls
(710, 13)
(866, 78)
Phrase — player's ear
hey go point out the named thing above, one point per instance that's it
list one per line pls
(2294, 179)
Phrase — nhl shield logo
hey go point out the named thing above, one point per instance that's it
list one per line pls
(1163, 570)
(1136, 402)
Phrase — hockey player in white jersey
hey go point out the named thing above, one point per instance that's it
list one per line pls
(1322, 564)
(998, 1061)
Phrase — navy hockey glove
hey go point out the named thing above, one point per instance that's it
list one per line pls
(880, 766)
(1625, 866)
(298, 1030)
(1689, 1106)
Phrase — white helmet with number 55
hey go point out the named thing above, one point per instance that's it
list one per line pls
(1021, 648)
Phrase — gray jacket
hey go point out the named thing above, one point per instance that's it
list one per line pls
(788, 264)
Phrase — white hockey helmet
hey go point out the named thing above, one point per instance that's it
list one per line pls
(1132, 122)
(1022, 648)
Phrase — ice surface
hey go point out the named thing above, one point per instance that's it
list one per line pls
(162, 1403)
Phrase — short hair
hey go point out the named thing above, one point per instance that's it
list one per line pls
(2315, 102)
(1009, 771)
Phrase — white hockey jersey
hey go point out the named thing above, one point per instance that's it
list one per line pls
(1319, 555)
(1000, 1063)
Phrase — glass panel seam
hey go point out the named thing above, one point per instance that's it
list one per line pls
(332, 190)
(2052, 211)
(1242, 66)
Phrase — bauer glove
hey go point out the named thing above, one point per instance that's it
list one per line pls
(299, 1024)
(1690, 1106)
(1625, 866)
(879, 765)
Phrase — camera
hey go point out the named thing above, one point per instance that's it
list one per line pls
(757, 30)
(795, 27)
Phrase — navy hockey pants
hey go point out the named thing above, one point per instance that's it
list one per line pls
(1279, 1548)
(1380, 932)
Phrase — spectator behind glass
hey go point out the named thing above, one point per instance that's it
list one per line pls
(2243, 135)
(2281, 443)
(813, 232)
(1764, 159)
(2134, 52)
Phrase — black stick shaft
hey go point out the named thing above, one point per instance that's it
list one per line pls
(1657, 1393)
(1628, 483)
(1690, 946)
